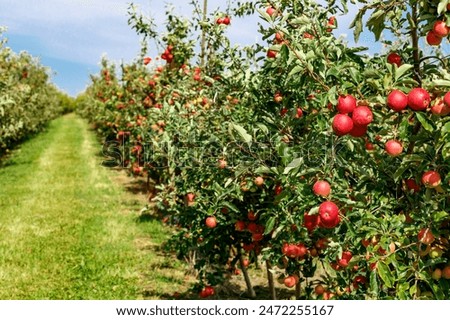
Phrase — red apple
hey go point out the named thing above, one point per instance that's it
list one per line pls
(252, 227)
(190, 197)
(226, 20)
(319, 289)
(426, 236)
(294, 250)
(440, 29)
(203, 293)
(251, 215)
(359, 280)
(279, 37)
(290, 281)
(439, 108)
(446, 272)
(412, 185)
(436, 274)
(327, 295)
(257, 237)
(322, 188)
(278, 97)
(345, 259)
(239, 225)
(259, 181)
(397, 100)
(431, 179)
(346, 104)
(211, 222)
(307, 35)
(310, 221)
(222, 164)
(362, 116)
(271, 11)
(147, 60)
(271, 53)
(322, 243)
(418, 99)
(369, 146)
(248, 246)
(329, 214)
(433, 39)
(283, 111)
(278, 189)
(358, 131)
(447, 99)
(393, 148)
(342, 124)
(394, 58)
(331, 23)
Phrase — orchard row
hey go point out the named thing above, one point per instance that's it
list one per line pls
(27, 99)
(349, 195)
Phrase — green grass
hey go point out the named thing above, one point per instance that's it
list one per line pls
(67, 231)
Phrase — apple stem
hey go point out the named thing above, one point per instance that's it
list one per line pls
(250, 290)
(273, 293)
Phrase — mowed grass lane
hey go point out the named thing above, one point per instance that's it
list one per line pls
(66, 230)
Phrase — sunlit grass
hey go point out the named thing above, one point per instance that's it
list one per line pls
(66, 230)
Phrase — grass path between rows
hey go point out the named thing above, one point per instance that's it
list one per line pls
(68, 231)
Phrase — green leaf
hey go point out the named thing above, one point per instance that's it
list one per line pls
(399, 72)
(295, 70)
(264, 14)
(385, 274)
(374, 286)
(263, 128)
(270, 224)
(228, 182)
(442, 7)
(440, 216)
(438, 293)
(350, 145)
(277, 231)
(446, 128)
(446, 151)
(332, 95)
(357, 25)
(302, 20)
(441, 83)
(231, 206)
(242, 132)
(425, 122)
(262, 170)
(375, 23)
(402, 290)
(297, 162)
(310, 55)
(399, 172)
(413, 290)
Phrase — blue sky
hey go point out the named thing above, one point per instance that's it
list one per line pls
(70, 36)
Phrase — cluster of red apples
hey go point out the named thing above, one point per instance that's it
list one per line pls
(439, 31)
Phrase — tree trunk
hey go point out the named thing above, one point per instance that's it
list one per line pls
(273, 293)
